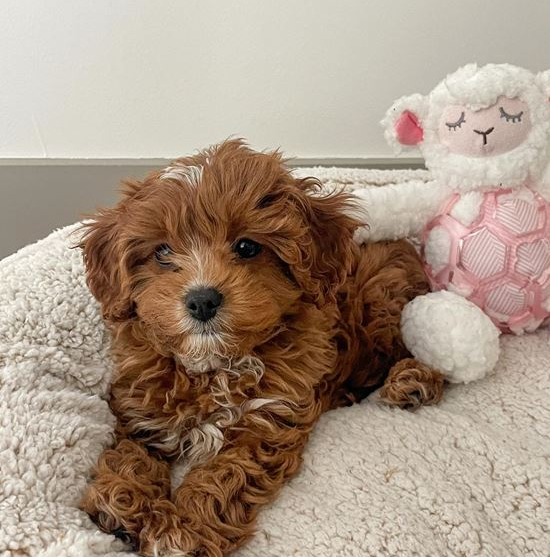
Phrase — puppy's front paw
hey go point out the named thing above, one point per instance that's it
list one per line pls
(104, 515)
(168, 540)
(411, 384)
(127, 480)
(161, 548)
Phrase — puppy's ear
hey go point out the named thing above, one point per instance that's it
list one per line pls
(325, 252)
(104, 258)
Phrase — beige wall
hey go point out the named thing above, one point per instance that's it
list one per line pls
(155, 78)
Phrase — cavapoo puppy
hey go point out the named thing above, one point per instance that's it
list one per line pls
(240, 309)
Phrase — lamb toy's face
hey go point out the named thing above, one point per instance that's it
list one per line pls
(481, 128)
(487, 132)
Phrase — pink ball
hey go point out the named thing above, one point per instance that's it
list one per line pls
(501, 262)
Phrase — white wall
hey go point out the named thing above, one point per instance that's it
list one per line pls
(139, 78)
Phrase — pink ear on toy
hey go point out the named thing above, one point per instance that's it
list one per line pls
(408, 129)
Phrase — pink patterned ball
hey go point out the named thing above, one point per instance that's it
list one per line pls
(500, 262)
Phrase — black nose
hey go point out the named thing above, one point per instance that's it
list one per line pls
(484, 134)
(203, 303)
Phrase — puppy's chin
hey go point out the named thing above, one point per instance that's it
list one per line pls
(207, 364)
(204, 352)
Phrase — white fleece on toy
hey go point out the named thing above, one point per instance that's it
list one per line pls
(485, 136)
(405, 209)
(451, 334)
(479, 88)
(399, 210)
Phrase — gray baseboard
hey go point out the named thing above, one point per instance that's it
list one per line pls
(40, 195)
(36, 199)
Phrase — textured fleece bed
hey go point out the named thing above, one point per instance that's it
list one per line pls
(470, 477)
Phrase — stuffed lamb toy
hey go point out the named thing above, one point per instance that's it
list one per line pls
(484, 219)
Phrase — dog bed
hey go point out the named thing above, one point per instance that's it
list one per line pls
(469, 477)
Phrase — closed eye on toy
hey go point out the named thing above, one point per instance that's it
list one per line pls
(458, 123)
(511, 117)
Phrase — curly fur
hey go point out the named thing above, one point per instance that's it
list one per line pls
(212, 418)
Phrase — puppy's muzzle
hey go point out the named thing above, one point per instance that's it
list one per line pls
(203, 303)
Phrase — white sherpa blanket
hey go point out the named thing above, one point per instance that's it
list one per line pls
(470, 477)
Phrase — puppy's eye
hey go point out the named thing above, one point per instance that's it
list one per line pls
(510, 117)
(162, 253)
(454, 125)
(247, 249)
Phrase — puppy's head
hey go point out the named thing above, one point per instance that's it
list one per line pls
(210, 256)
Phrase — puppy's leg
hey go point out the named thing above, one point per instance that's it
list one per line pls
(218, 502)
(388, 275)
(127, 479)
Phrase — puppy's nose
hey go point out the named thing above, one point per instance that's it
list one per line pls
(203, 303)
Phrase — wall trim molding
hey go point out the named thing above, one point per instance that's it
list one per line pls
(39, 195)
(353, 162)
(359, 162)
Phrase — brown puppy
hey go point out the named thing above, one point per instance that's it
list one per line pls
(240, 309)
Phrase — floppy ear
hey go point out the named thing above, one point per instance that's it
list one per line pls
(403, 122)
(107, 275)
(543, 79)
(324, 254)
